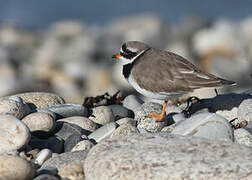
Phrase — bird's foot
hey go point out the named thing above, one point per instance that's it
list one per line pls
(159, 117)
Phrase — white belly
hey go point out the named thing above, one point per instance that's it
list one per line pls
(157, 95)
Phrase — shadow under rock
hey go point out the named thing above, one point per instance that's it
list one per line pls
(219, 102)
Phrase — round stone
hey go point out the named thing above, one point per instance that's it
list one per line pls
(15, 168)
(245, 111)
(80, 121)
(146, 123)
(83, 145)
(72, 171)
(14, 134)
(132, 102)
(13, 107)
(102, 115)
(125, 129)
(120, 111)
(40, 99)
(39, 121)
(160, 156)
(205, 125)
(242, 136)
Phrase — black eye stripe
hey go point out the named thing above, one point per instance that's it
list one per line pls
(124, 48)
(128, 55)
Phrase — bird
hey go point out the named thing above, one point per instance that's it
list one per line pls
(162, 75)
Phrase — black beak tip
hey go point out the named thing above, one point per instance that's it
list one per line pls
(114, 56)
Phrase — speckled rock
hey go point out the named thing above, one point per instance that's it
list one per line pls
(244, 137)
(125, 129)
(14, 107)
(14, 134)
(121, 112)
(149, 124)
(228, 114)
(40, 99)
(205, 125)
(73, 171)
(163, 156)
(67, 110)
(245, 111)
(102, 115)
(39, 122)
(126, 120)
(15, 168)
(64, 159)
(132, 102)
(83, 122)
(83, 145)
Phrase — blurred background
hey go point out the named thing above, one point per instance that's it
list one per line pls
(66, 46)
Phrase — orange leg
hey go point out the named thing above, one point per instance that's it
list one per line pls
(159, 117)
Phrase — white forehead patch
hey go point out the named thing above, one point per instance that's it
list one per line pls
(132, 49)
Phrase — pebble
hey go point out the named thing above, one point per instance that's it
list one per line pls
(102, 115)
(121, 112)
(73, 171)
(71, 141)
(64, 130)
(64, 159)
(228, 114)
(205, 125)
(103, 132)
(125, 129)
(80, 121)
(245, 111)
(13, 107)
(126, 120)
(54, 143)
(167, 156)
(14, 134)
(15, 168)
(39, 121)
(149, 124)
(242, 136)
(83, 145)
(132, 102)
(40, 99)
(42, 156)
(68, 110)
(47, 177)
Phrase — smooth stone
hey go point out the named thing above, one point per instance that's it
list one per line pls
(39, 122)
(126, 120)
(160, 156)
(228, 114)
(102, 115)
(47, 177)
(103, 132)
(40, 99)
(62, 160)
(125, 129)
(80, 121)
(121, 112)
(71, 141)
(42, 156)
(64, 130)
(15, 168)
(73, 171)
(67, 110)
(242, 136)
(54, 143)
(173, 120)
(83, 145)
(14, 134)
(146, 123)
(245, 111)
(46, 111)
(48, 170)
(13, 107)
(132, 102)
(205, 125)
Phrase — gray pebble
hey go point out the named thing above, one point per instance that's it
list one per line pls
(47, 177)
(103, 132)
(102, 115)
(205, 125)
(125, 129)
(67, 110)
(245, 111)
(14, 134)
(83, 145)
(126, 120)
(121, 112)
(132, 102)
(149, 124)
(71, 141)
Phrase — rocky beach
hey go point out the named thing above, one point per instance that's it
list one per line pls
(67, 113)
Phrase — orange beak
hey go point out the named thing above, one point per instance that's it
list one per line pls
(116, 56)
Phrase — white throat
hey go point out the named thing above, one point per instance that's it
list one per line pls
(127, 61)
